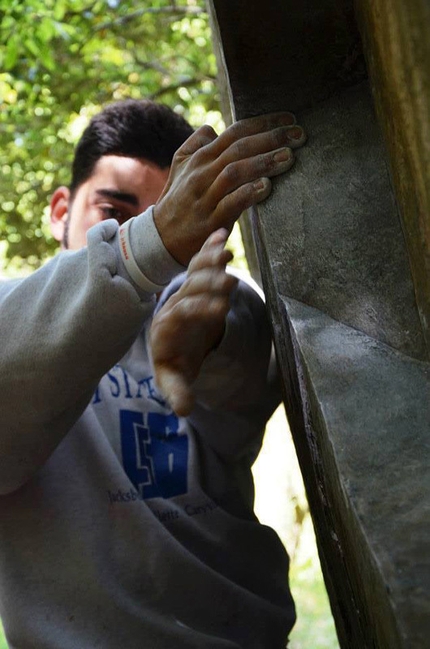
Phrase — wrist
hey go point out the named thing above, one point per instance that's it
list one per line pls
(149, 250)
(130, 263)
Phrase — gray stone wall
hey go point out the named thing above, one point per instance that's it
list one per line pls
(339, 252)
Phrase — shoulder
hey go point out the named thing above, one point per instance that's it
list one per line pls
(7, 285)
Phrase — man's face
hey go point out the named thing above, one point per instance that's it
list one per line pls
(119, 188)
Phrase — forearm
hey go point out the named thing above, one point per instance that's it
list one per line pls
(61, 330)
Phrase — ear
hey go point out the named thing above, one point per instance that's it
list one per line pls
(59, 211)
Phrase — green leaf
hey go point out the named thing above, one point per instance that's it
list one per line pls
(33, 47)
(45, 31)
(12, 51)
(59, 10)
(46, 56)
(62, 65)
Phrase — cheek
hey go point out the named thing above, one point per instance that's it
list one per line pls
(80, 221)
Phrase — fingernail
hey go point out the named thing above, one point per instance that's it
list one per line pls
(295, 133)
(259, 185)
(283, 155)
(289, 118)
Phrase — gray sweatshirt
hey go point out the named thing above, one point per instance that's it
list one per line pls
(122, 526)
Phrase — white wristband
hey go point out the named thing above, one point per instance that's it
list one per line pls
(130, 263)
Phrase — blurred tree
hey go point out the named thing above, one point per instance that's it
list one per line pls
(60, 60)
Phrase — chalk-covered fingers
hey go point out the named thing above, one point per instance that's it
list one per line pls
(208, 169)
(245, 128)
(245, 169)
(256, 147)
(212, 254)
(275, 142)
(206, 289)
(244, 160)
(253, 158)
(191, 323)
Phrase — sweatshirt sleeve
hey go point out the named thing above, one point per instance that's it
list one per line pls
(61, 330)
(237, 388)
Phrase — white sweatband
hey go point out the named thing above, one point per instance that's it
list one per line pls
(130, 263)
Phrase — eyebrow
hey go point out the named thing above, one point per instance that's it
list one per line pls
(119, 196)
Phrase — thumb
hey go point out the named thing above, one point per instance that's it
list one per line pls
(174, 386)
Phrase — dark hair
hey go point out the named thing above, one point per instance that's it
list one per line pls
(133, 128)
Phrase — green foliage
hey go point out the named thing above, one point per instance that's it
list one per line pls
(60, 60)
(314, 627)
(3, 644)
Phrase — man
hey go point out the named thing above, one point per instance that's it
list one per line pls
(126, 517)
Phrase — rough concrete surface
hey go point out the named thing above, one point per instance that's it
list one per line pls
(370, 424)
(285, 55)
(330, 239)
(333, 229)
(348, 313)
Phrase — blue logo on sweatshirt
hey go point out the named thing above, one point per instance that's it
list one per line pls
(154, 455)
